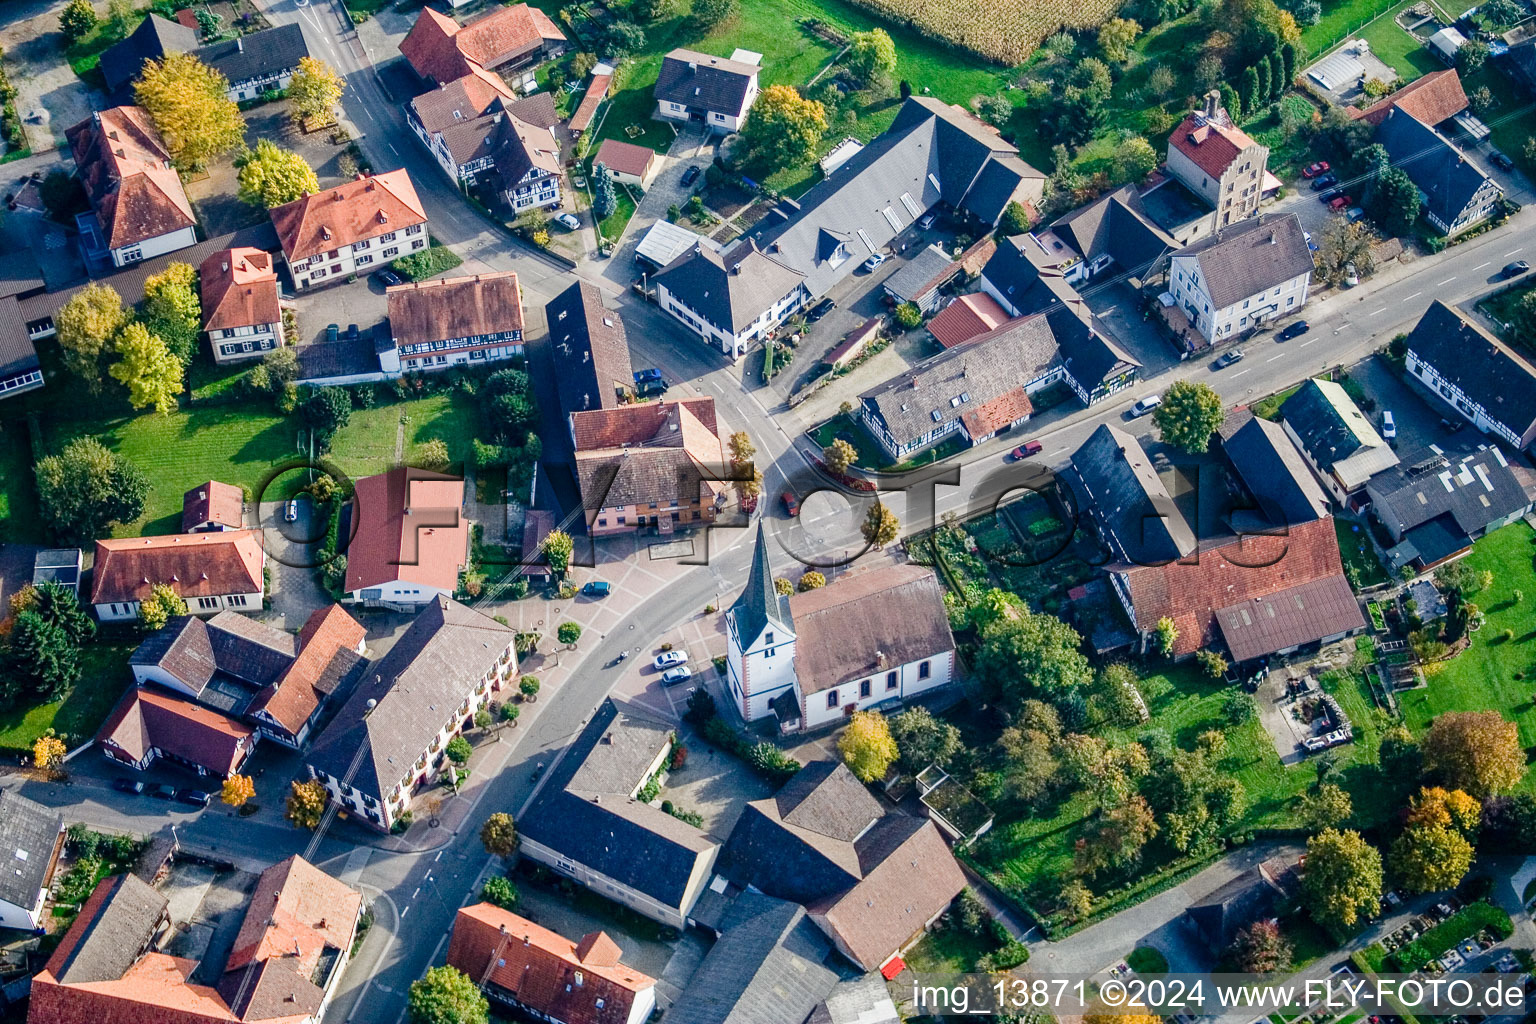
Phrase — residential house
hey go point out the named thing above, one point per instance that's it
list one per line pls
(211, 571)
(212, 507)
(148, 726)
(153, 39)
(59, 566)
(879, 636)
(664, 242)
(931, 154)
(240, 304)
(967, 317)
(527, 968)
(1274, 474)
(20, 369)
(871, 881)
(1430, 99)
(627, 162)
(34, 836)
(1479, 376)
(1253, 896)
(480, 134)
(287, 960)
(388, 738)
(453, 321)
(1457, 193)
(1242, 276)
(708, 90)
(409, 539)
(271, 679)
(138, 206)
(658, 464)
(1337, 440)
(1023, 278)
(350, 229)
(1120, 493)
(1219, 162)
(585, 823)
(1113, 231)
(920, 278)
(254, 63)
(590, 350)
(1445, 496)
(519, 36)
(525, 154)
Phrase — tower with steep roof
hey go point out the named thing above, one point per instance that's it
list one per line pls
(760, 658)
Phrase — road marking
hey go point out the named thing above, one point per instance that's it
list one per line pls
(1480, 266)
(1415, 295)
(1383, 309)
(1446, 281)
(1271, 359)
(1305, 343)
(1513, 251)
(1239, 373)
(407, 910)
(438, 857)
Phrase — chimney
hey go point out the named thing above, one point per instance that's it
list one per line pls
(1212, 102)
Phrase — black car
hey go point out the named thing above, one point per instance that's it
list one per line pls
(1516, 268)
(352, 333)
(195, 797)
(820, 310)
(1501, 161)
(163, 792)
(1323, 181)
(386, 277)
(1295, 330)
(1328, 195)
(647, 388)
(128, 785)
(690, 176)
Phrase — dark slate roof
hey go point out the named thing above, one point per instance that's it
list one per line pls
(1484, 368)
(1447, 176)
(1469, 481)
(17, 353)
(1521, 59)
(1289, 618)
(125, 917)
(1241, 901)
(590, 349)
(700, 80)
(267, 52)
(416, 688)
(182, 648)
(1250, 257)
(766, 968)
(1328, 433)
(1090, 354)
(921, 274)
(585, 809)
(1116, 479)
(1276, 474)
(249, 650)
(1118, 225)
(152, 40)
(760, 605)
(28, 832)
(1432, 541)
(729, 288)
(1026, 276)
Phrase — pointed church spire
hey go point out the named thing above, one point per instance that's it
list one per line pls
(760, 605)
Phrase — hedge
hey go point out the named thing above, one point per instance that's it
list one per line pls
(429, 262)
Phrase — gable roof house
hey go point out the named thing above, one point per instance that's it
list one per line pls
(920, 278)
(288, 956)
(1457, 192)
(241, 312)
(1478, 375)
(409, 538)
(585, 823)
(212, 507)
(1445, 496)
(153, 39)
(968, 316)
(1114, 231)
(1241, 276)
(524, 966)
(253, 63)
(1246, 898)
(211, 571)
(148, 726)
(481, 133)
(1274, 473)
(138, 206)
(33, 836)
(590, 350)
(658, 464)
(693, 86)
(871, 881)
(454, 321)
(390, 734)
(441, 50)
(932, 153)
(626, 161)
(353, 227)
(1219, 162)
(1430, 99)
(1337, 439)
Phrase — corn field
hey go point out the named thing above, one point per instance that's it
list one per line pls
(1005, 33)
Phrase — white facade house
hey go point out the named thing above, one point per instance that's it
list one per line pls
(139, 209)
(731, 343)
(713, 91)
(353, 228)
(32, 836)
(1484, 380)
(213, 572)
(1241, 277)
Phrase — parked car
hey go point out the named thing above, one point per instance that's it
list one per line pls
(195, 797)
(641, 376)
(1450, 426)
(352, 333)
(569, 221)
(1327, 181)
(691, 175)
(671, 659)
(673, 676)
(1327, 195)
(1501, 161)
(123, 785)
(1313, 170)
(163, 792)
(1355, 213)
(597, 588)
(874, 261)
(1351, 275)
(1025, 450)
(925, 221)
(1229, 357)
(1144, 406)
(645, 389)
(1388, 425)
(386, 277)
(1516, 268)
(291, 510)
(1294, 329)
(332, 332)
(1311, 245)
(791, 503)
(820, 310)
(1338, 203)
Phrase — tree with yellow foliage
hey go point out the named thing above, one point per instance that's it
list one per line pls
(148, 368)
(1436, 807)
(48, 751)
(867, 746)
(306, 804)
(190, 105)
(237, 790)
(314, 90)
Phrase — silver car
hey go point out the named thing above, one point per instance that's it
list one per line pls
(671, 659)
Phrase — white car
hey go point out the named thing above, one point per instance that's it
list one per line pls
(873, 263)
(1145, 405)
(671, 659)
(1388, 425)
(673, 676)
(568, 220)
(291, 511)
(925, 221)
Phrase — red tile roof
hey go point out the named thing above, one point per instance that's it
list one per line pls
(1211, 143)
(967, 317)
(196, 564)
(634, 424)
(1431, 99)
(1191, 592)
(441, 50)
(298, 692)
(990, 417)
(539, 968)
(427, 546)
(127, 174)
(213, 502)
(239, 289)
(455, 307)
(348, 213)
(296, 910)
(624, 157)
(597, 91)
(146, 719)
(651, 453)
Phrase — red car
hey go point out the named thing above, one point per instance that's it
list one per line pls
(791, 506)
(1025, 450)
(1313, 170)
(1341, 203)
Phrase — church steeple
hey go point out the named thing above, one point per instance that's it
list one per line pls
(760, 606)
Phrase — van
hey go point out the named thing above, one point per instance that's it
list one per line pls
(1144, 406)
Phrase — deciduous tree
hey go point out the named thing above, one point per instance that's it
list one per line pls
(811, 580)
(270, 176)
(1261, 948)
(1134, 159)
(568, 633)
(237, 790)
(1116, 839)
(446, 995)
(558, 547)
(314, 90)
(880, 526)
(839, 455)
(1471, 56)
(159, 606)
(1430, 858)
(1342, 882)
(1477, 751)
(1027, 654)
(190, 105)
(866, 745)
(48, 751)
(1190, 413)
(85, 327)
(79, 17)
(306, 803)
(871, 56)
(498, 889)
(1446, 808)
(146, 366)
(173, 309)
(499, 834)
(1397, 202)
(784, 129)
(922, 740)
(324, 411)
(1329, 806)
(86, 487)
(709, 13)
(1115, 38)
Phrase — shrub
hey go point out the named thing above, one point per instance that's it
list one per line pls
(458, 750)
(425, 263)
(499, 890)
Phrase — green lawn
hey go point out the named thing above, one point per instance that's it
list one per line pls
(1512, 120)
(77, 717)
(1357, 552)
(1342, 20)
(1404, 52)
(1286, 155)
(623, 209)
(19, 520)
(947, 950)
(1501, 307)
(1483, 676)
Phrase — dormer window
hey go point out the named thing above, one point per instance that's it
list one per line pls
(325, 233)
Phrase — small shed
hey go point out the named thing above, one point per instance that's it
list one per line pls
(626, 161)
(918, 282)
(855, 343)
(1445, 43)
(58, 565)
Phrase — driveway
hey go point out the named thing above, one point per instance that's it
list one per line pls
(49, 96)
(1118, 308)
(296, 590)
(691, 147)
